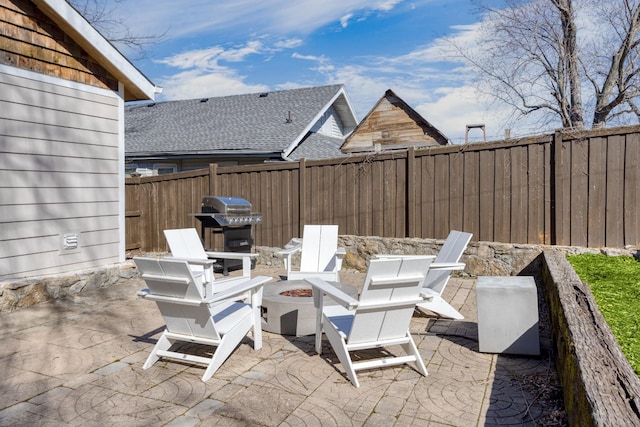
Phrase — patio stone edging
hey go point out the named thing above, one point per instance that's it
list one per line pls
(599, 385)
(19, 293)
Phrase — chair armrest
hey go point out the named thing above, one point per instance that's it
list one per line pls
(290, 251)
(387, 256)
(146, 294)
(206, 263)
(447, 266)
(428, 293)
(340, 254)
(238, 289)
(322, 287)
(231, 255)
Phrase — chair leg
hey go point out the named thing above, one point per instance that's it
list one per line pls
(442, 308)
(228, 343)
(340, 348)
(257, 330)
(411, 349)
(162, 345)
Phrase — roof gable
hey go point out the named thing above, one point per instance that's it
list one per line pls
(392, 124)
(258, 123)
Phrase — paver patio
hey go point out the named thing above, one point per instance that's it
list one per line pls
(79, 361)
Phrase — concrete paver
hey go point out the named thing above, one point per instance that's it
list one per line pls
(79, 361)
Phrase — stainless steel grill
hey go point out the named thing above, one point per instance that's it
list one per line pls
(227, 212)
(233, 218)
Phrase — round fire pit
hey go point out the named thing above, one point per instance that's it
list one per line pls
(287, 307)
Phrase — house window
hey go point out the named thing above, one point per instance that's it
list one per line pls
(163, 169)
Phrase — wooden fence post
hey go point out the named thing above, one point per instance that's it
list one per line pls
(557, 184)
(410, 230)
(302, 182)
(213, 181)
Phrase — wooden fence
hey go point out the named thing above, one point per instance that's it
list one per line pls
(579, 188)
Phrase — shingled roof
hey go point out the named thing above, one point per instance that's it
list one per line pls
(273, 124)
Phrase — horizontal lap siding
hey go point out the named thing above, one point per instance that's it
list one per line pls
(59, 174)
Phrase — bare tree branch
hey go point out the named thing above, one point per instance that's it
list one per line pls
(103, 18)
(542, 57)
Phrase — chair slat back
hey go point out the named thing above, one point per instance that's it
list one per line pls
(174, 279)
(389, 296)
(185, 243)
(451, 251)
(319, 245)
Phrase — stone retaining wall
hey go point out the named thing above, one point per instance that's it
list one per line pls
(482, 258)
(16, 294)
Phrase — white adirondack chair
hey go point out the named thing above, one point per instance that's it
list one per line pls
(447, 260)
(218, 320)
(380, 318)
(185, 243)
(319, 254)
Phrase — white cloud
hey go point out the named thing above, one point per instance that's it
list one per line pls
(315, 58)
(387, 5)
(288, 43)
(455, 109)
(180, 19)
(199, 84)
(344, 21)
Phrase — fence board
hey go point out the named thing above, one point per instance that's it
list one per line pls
(398, 188)
(502, 211)
(597, 191)
(631, 214)
(456, 192)
(547, 193)
(442, 206)
(579, 193)
(579, 189)
(536, 191)
(519, 195)
(614, 195)
(426, 213)
(471, 193)
(486, 179)
(562, 196)
(349, 182)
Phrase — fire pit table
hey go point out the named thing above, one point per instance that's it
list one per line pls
(287, 307)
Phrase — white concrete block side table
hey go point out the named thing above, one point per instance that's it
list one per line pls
(508, 319)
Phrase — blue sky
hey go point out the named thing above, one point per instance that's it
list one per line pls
(217, 48)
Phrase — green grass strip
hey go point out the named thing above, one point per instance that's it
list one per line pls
(615, 284)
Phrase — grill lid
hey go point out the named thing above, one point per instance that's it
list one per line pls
(225, 205)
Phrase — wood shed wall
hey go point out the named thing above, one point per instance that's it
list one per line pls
(31, 41)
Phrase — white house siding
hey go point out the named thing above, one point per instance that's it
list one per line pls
(330, 125)
(59, 174)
